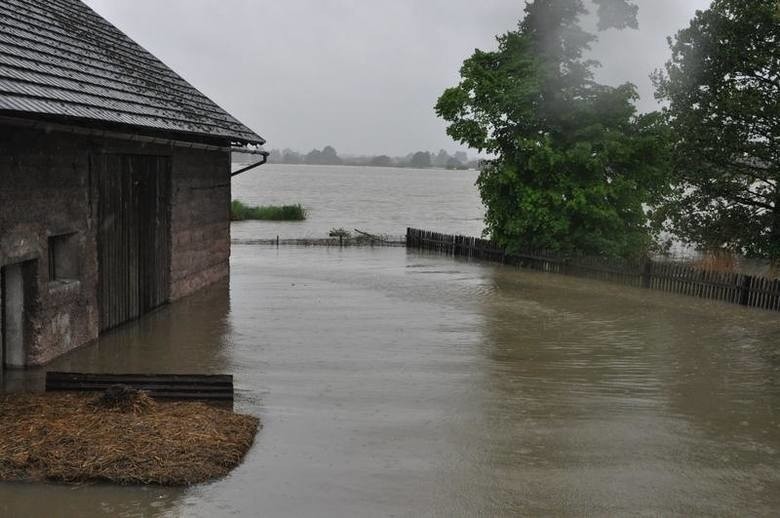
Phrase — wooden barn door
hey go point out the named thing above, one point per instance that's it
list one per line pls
(133, 236)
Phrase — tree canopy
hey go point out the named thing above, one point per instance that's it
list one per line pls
(722, 86)
(421, 160)
(328, 156)
(573, 164)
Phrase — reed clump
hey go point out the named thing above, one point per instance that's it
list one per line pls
(241, 212)
(123, 438)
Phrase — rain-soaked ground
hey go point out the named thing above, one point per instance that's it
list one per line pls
(394, 383)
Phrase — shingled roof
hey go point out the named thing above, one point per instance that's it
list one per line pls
(59, 59)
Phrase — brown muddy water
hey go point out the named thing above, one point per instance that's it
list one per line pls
(394, 383)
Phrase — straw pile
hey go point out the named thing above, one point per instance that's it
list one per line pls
(121, 438)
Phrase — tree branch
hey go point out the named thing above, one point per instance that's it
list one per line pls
(753, 203)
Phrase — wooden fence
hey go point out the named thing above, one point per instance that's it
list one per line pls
(671, 277)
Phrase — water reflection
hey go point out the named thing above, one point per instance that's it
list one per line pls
(641, 402)
(95, 501)
(190, 336)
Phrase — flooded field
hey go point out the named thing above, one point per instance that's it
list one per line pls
(394, 383)
(377, 200)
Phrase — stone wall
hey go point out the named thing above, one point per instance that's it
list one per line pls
(200, 220)
(46, 190)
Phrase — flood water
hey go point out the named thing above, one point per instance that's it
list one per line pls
(371, 199)
(395, 383)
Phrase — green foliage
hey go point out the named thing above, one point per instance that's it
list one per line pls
(241, 212)
(617, 14)
(573, 163)
(723, 89)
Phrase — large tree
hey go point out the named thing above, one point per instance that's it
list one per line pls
(722, 86)
(573, 163)
(421, 160)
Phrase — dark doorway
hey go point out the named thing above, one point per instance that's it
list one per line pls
(133, 235)
(15, 294)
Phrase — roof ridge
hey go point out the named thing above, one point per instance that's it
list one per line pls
(68, 61)
(213, 108)
(178, 84)
(90, 42)
(120, 105)
(117, 110)
(96, 23)
(60, 58)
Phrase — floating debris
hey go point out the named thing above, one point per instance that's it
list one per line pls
(336, 237)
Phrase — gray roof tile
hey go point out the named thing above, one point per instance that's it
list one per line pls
(60, 58)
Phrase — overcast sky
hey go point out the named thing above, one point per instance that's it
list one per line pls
(361, 75)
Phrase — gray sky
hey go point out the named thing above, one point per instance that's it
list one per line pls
(361, 75)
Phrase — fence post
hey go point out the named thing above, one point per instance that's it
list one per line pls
(747, 283)
(647, 273)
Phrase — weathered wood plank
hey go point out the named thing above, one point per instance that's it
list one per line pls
(78, 377)
(164, 386)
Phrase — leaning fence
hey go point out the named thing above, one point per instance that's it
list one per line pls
(671, 277)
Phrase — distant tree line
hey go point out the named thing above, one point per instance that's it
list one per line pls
(418, 160)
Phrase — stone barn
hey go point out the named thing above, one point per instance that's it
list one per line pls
(114, 180)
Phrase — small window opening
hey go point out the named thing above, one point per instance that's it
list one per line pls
(63, 257)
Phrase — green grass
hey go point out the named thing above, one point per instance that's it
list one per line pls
(241, 212)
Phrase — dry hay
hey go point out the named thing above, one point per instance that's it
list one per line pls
(124, 399)
(77, 438)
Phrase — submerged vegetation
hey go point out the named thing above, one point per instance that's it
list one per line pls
(340, 232)
(240, 212)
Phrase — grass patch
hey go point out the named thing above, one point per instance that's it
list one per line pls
(241, 212)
